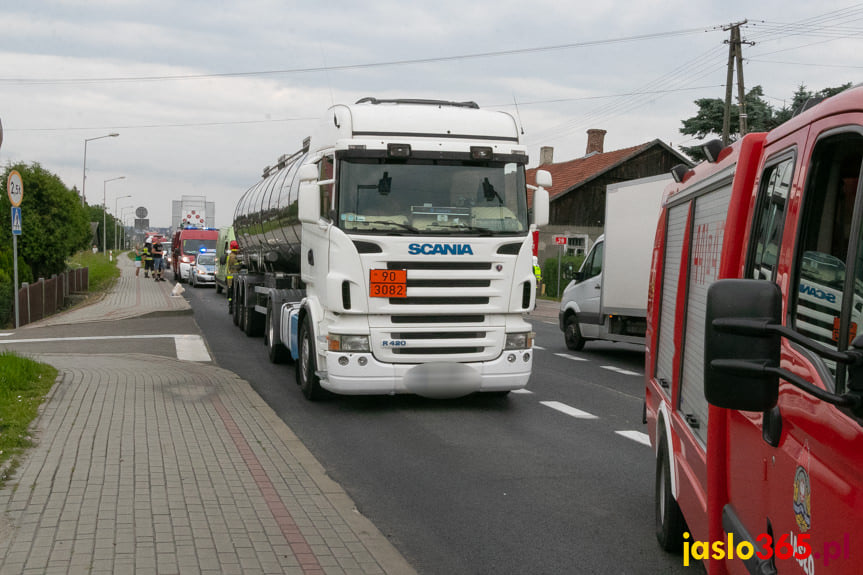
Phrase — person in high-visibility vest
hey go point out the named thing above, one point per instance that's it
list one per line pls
(233, 265)
(148, 259)
(537, 271)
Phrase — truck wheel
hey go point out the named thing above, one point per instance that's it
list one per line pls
(670, 523)
(218, 287)
(572, 334)
(276, 351)
(236, 305)
(307, 377)
(253, 323)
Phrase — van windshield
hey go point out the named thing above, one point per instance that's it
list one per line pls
(447, 197)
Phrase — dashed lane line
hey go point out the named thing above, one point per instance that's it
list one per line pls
(620, 370)
(636, 436)
(522, 391)
(568, 410)
(572, 357)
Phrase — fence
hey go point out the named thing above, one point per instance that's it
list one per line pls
(47, 297)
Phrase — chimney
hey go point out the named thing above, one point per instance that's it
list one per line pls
(595, 141)
(546, 155)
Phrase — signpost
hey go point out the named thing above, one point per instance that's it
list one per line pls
(561, 241)
(15, 191)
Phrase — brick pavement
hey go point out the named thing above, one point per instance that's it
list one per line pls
(147, 464)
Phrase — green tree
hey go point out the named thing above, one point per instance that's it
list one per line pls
(761, 116)
(54, 223)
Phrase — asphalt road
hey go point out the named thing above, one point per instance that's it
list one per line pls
(557, 480)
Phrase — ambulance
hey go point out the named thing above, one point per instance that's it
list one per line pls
(754, 386)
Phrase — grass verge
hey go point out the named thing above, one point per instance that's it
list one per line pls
(24, 383)
(102, 273)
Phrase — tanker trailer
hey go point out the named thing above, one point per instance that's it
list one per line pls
(393, 253)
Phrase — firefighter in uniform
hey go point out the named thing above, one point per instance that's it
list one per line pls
(233, 267)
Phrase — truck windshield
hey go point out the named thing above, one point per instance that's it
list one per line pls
(432, 197)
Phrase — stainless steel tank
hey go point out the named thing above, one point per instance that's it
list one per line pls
(266, 220)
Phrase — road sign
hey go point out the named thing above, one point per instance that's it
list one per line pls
(16, 220)
(560, 240)
(15, 188)
(141, 212)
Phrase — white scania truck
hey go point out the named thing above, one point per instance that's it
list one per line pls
(392, 254)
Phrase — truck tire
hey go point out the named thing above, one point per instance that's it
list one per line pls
(253, 322)
(306, 365)
(235, 304)
(218, 287)
(276, 351)
(670, 524)
(572, 334)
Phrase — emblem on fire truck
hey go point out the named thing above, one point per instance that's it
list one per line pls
(802, 502)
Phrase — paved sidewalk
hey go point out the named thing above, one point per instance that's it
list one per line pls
(146, 464)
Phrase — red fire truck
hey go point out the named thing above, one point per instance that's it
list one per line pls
(754, 384)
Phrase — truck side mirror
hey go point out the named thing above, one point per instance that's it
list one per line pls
(736, 361)
(309, 203)
(540, 207)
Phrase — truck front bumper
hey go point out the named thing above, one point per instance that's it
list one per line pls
(362, 374)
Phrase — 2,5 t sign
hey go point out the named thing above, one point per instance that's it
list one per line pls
(15, 188)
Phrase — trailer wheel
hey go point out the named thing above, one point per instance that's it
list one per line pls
(253, 323)
(670, 523)
(235, 304)
(572, 334)
(307, 376)
(276, 351)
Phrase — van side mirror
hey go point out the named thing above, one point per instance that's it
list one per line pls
(737, 363)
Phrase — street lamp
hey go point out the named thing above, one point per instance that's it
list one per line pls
(118, 222)
(116, 215)
(105, 209)
(123, 216)
(84, 183)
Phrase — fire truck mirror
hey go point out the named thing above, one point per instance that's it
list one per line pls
(737, 357)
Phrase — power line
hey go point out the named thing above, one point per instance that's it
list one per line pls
(150, 126)
(513, 52)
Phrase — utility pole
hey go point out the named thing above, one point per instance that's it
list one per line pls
(735, 54)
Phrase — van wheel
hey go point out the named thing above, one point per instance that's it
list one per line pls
(572, 334)
(307, 377)
(276, 351)
(670, 523)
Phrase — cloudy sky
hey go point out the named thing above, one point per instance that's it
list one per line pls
(205, 94)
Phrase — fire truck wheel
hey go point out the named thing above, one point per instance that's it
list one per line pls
(572, 334)
(277, 352)
(670, 523)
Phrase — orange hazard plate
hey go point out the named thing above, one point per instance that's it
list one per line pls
(388, 283)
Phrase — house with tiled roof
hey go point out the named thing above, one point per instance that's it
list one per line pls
(577, 194)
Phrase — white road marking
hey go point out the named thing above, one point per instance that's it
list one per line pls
(522, 391)
(569, 410)
(189, 347)
(620, 370)
(7, 333)
(539, 347)
(636, 436)
(572, 357)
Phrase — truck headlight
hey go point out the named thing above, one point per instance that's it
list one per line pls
(523, 340)
(356, 343)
